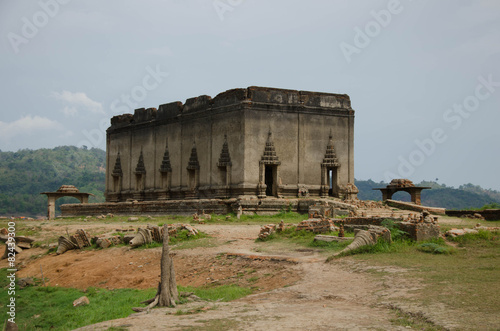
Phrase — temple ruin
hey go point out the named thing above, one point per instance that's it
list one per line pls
(254, 142)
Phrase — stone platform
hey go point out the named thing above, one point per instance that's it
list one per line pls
(268, 206)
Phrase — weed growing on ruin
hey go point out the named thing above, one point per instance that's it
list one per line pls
(395, 232)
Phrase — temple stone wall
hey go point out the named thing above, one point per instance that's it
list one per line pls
(176, 151)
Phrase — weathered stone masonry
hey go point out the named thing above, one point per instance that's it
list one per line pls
(256, 142)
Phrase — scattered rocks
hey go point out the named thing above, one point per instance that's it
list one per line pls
(460, 232)
(133, 219)
(81, 302)
(200, 219)
(317, 225)
(25, 282)
(20, 243)
(103, 242)
(266, 231)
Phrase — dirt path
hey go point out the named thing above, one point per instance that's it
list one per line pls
(297, 291)
(326, 298)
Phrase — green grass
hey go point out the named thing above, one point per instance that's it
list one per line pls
(463, 280)
(222, 293)
(305, 239)
(414, 321)
(43, 308)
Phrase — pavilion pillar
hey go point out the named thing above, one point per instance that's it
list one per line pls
(51, 207)
(416, 197)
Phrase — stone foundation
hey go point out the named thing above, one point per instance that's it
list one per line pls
(417, 231)
(268, 206)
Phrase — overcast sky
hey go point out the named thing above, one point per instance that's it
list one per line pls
(423, 76)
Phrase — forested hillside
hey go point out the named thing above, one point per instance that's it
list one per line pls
(26, 173)
(464, 197)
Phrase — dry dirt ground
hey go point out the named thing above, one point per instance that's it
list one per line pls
(294, 289)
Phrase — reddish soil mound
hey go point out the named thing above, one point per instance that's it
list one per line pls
(121, 267)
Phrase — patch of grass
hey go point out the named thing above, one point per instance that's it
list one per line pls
(28, 230)
(306, 239)
(218, 293)
(413, 321)
(482, 238)
(184, 236)
(253, 279)
(462, 281)
(55, 306)
(434, 248)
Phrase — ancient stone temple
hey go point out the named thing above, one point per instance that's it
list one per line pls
(256, 142)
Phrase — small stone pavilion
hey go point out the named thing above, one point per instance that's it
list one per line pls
(64, 191)
(405, 185)
(256, 142)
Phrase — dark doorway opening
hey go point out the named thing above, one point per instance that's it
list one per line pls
(269, 180)
(192, 178)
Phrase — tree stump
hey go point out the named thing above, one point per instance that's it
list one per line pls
(167, 293)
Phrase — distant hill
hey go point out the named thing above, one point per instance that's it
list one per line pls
(464, 197)
(26, 173)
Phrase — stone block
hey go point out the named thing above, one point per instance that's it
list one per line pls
(420, 231)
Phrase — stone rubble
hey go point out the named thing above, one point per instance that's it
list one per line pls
(266, 231)
(460, 232)
(155, 233)
(79, 240)
(318, 225)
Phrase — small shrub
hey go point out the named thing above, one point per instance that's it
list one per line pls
(395, 232)
(434, 248)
